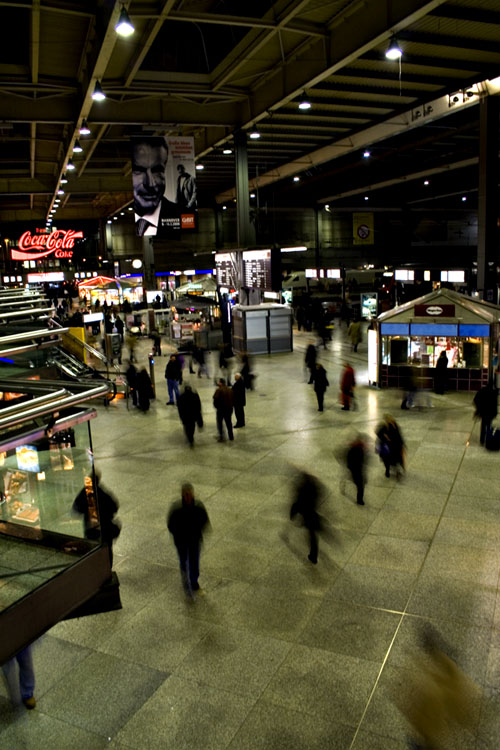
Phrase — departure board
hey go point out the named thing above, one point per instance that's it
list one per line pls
(226, 267)
(257, 271)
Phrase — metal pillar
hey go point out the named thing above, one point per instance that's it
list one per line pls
(487, 213)
(148, 261)
(245, 230)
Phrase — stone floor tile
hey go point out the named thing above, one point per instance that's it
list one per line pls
(389, 552)
(374, 587)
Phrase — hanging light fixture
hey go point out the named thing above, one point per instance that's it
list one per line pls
(304, 103)
(254, 134)
(84, 128)
(98, 95)
(227, 151)
(60, 191)
(394, 51)
(124, 26)
(70, 166)
(77, 149)
(64, 179)
(199, 167)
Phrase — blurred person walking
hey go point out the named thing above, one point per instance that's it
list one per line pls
(131, 376)
(307, 494)
(441, 376)
(310, 360)
(486, 403)
(223, 403)
(24, 685)
(347, 385)
(354, 333)
(239, 400)
(173, 375)
(246, 372)
(186, 521)
(144, 390)
(189, 406)
(98, 510)
(320, 384)
(199, 358)
(391, 446)
(356, 458)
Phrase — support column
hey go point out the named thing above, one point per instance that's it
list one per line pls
(245, 230)
(487, 213)
(148, 261)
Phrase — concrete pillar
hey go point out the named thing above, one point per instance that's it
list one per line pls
(148, 261)
(487, 213)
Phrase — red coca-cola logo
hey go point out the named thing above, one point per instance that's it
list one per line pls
(60, 242)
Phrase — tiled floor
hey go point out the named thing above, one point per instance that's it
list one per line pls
(277, 653)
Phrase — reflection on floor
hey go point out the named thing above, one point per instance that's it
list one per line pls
(276, 652)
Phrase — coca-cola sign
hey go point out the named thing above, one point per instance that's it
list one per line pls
(60, 242)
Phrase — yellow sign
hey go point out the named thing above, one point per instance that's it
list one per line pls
(362, 229)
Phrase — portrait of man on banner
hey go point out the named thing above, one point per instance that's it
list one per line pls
(155, 214)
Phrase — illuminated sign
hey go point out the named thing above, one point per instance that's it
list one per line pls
(38, 278)
(60, 242)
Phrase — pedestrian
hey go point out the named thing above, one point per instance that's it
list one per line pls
(356, 460)
(98, 509)
(223, 403)
(131, 342)
(347, 385)
(239, 400)
(441, 376)
(156, 337)
(119, 325)
(320, 384)
(391, 446)
(131, 376)
(173, 374)
(199, 358)
(186, 522)
(246, 373)
(144, 390)
(26, 678)
(486, 403)
(354, 333)
(189, 406)
(307, 493)
(228, 355)
(310, 360)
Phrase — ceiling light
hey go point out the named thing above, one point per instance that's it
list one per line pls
(122, 213)
(366, 197)
(77, 149)
(366, 154)
(57, 201)
(60, 191)
(252, 195)
(98, 95)
(296, 179)
(224, 208)
(426, 182)
(254, 135)
(327, 206)
(64, 180)
(130, 208)
(394, 51)
(109, 221)
(124, 26)
(200, 167)
(464, 197)
(84, 128)
(304, 104)
(70, 166)
(227, 151)
(115, 218)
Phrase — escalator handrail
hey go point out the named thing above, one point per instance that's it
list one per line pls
(95, 352)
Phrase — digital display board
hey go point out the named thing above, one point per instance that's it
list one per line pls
(227, 270)
(257, 272)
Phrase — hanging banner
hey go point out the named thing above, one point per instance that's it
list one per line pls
(163, 175)
(362, 228)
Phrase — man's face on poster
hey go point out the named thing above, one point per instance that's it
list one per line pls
(148, 174)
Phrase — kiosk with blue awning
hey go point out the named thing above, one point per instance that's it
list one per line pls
(415, 334)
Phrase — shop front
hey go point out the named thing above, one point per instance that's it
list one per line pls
(415, 334)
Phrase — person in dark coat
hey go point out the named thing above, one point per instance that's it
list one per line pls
(391, 446)
(239, 400)
(199, 358)
(356, 459)
(144, 390)
(347, 385)
(307, 493)
(486, 403)
(246, 373)
(320, 384)
(98, 509)
(119, 325)
(186, 522)
(189, 406)
(155, 336)
(131, 376)
(441, 377)
(310, 360)
(223, 403)
(173, 374)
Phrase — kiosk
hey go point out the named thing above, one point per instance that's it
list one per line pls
(262, 329)
(415, 334)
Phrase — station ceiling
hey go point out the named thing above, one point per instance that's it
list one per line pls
(208, 68)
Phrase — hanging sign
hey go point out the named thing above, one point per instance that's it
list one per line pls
(60, 242)
(362, 228)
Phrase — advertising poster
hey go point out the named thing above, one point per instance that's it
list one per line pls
(362, 228)
(164, 184)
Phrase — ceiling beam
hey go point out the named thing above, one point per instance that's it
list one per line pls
(91, 148)
(146, 42)
(472, 15)
(446, 40)
(299, 27)
(445, 62)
